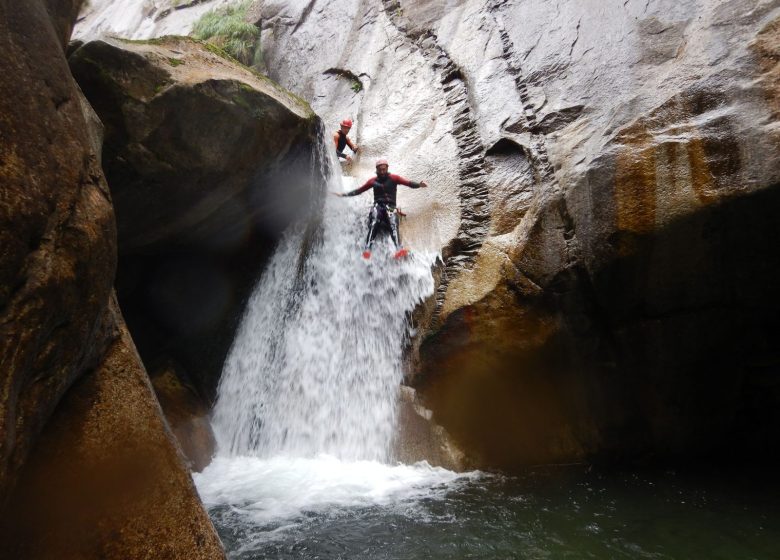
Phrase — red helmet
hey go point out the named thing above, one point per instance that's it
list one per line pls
(382, 161)
(347, 123)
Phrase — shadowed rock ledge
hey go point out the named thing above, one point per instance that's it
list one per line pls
(208, 162)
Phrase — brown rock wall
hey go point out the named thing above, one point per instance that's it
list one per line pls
(106, 479)
(88, 468)
(57, 233)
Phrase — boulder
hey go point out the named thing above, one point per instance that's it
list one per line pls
(208, 163)
(107, 479)
(88, 467)
(187, 416)
(57, 232)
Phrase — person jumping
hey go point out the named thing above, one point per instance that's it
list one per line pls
(341, 141)
(383, 212)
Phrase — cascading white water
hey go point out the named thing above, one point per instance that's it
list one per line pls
(306, 407)
(316, 364)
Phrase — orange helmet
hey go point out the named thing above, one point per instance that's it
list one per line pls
(382, 161)
(347, 123)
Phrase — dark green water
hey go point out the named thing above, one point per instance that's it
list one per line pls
(571, 513)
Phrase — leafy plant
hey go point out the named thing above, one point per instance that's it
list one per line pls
(357, 86)
(228, 29)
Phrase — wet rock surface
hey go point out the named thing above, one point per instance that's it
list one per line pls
(418, 438)
(107, 479)
(208, 163)
(187, 416)
(57, 233)
(603, 186)
(77, 415)
(610, 171)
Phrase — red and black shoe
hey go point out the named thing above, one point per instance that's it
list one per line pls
(401, 253)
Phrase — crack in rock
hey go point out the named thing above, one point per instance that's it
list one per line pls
(473, 193)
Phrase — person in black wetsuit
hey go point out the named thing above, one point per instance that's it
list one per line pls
(342, 141)
(383, 212)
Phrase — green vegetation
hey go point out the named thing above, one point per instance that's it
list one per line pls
(357, 86)
(227, 29)
(175, 61)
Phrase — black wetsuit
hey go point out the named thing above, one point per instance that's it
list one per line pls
(383, 212)
(342, 143)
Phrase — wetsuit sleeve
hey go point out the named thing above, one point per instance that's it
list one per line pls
(403, 181)
(362, 189)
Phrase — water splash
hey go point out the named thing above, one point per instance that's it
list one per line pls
(306, 407)
(263, 491)
(316, 364)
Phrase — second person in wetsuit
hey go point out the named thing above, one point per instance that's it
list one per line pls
(341, 140)
(385, 186)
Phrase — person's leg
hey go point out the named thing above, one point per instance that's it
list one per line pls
(392, 218)
(373, 224)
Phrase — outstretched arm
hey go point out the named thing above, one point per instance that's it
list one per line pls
(367, 185)
(411, 184)
(352, 146)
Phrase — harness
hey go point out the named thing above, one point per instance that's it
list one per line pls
(385, 190)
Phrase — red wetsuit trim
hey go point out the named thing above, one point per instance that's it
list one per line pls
(397, 179)
(401, 180)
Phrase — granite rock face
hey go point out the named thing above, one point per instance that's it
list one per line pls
(604, 181)
(208, 163)
(604, 186)
(141, 19)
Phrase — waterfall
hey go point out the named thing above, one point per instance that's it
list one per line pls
(306, 407)
(315, 367)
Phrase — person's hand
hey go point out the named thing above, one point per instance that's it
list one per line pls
(423, 184)
(336, 193)
(349, 159)
(357, 149)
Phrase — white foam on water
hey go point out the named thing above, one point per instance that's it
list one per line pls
(283, 488)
